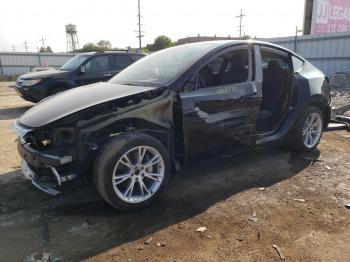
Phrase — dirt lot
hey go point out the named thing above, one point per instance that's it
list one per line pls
(247, 203)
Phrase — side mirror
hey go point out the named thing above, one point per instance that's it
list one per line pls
(82, 69)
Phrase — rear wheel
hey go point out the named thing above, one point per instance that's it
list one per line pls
(307, 130)
(131, 170)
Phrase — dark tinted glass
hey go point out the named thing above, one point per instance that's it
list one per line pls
(98, 64)
(121, 61)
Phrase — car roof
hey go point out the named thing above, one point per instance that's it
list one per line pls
(119, 51)
(221, 44)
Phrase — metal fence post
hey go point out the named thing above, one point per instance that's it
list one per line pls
(1, 71)
(39, 58)
(296, 40)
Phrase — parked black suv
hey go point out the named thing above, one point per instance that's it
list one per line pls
(83, 69)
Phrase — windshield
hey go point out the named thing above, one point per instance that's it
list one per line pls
(74, 63)
(163, 66)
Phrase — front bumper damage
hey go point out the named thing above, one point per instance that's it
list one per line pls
(43, 169)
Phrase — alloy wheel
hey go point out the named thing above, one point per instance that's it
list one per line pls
(312, 130)
(138, 174)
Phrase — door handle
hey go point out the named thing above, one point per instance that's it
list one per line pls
(107, 75)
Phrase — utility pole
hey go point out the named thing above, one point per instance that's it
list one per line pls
(139, 24)
(26, 45)
(240, 23)
(296, 38)
(43, 41)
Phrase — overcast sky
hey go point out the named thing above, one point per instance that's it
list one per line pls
(116, 20)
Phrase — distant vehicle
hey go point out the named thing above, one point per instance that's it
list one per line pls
(83, 69)
(168, 110)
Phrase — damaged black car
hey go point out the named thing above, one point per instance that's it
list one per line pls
(168, 110)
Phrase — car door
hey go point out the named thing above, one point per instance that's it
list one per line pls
(220, 105)
(96, 69)
(119, 62)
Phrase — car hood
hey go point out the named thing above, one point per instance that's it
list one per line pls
(74, 100)
(44, 74)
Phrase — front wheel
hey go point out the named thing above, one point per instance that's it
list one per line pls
(307, 130)
(131, 170)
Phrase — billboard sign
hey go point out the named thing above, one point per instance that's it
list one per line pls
(330, 16)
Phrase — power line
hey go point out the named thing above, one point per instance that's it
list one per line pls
(240, 23)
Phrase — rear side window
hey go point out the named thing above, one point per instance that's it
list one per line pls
(297, 64)
(137, 57)
(269, 55)
(121, 61)
(98, 64)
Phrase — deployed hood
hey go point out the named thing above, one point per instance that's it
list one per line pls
(43, 74)
(74, 100)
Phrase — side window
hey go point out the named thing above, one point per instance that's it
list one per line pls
(98, 64)
(229, 68)
(121, 61)
(272, 57)
(297, 64)
(136, 57)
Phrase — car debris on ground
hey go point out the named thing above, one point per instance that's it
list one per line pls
(201, 229)
(161, 244)
(148, 240)
(279, 251)
(328, 167)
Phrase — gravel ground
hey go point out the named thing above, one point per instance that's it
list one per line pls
(247, 204)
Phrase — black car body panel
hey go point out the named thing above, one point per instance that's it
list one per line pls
(52, 81)
(191, 122)
(74, 100)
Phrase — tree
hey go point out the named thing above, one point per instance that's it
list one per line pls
(104, 45)
(101, 45)
(45, 50)
(88, 47)
(246, 37)
(160, 42)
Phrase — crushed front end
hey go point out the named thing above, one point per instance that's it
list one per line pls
(47, 156)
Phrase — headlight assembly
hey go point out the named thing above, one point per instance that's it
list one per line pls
(30, 82)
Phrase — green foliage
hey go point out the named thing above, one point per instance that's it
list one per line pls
(104, 44)
(101, 45)
(246, 37)
(48, 49)
(45, 50)
(160, 43)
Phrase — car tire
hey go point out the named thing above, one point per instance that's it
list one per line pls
(307, 130)
(123, 162)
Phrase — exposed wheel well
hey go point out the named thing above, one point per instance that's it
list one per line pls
(162, 134)
(323, 108)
